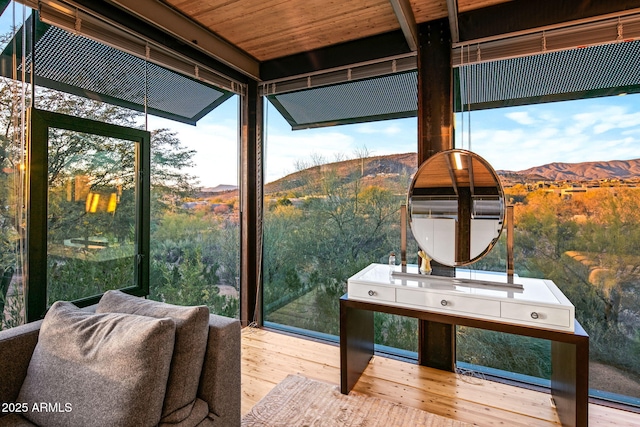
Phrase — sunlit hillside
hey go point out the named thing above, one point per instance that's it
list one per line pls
(395, 171)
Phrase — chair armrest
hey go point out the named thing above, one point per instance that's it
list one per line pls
(220, 378)
(16, 347)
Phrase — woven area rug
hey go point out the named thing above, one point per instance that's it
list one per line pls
(300, 402)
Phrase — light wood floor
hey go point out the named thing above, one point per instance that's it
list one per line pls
(269, 356)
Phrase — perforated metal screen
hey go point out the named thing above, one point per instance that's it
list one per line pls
(392, 96)
(556, 76)
(84, 67)
(81, 66)
(587, 72)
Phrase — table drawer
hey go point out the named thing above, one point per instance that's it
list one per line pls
(534, 314)
(372, 292)
(444, 302)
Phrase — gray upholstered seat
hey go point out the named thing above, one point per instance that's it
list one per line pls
(219, 385)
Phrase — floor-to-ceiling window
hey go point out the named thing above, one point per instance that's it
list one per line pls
(575, 221)
(570, 171)
(195, 231)
(93, 215)
(332, 206)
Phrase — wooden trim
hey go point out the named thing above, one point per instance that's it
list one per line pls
(343, 54)
(524, 14)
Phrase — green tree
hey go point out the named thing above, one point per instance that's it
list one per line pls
(311, 250)
(82, 164)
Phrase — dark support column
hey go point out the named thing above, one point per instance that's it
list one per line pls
(251, 137)
(463, 231)
(437, 343)
(37, 227)
(435, 133)
(435, 89)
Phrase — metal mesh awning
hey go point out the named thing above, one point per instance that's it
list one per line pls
(81, 66)
(588, 72)
(387, 97)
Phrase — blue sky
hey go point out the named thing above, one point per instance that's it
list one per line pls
(518, 138)
(513, 138)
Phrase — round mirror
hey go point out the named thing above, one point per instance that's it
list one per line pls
(456, 207)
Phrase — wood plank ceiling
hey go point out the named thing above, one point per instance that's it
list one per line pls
(269, 29)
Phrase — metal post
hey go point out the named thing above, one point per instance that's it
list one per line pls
(403, 237)
(251, 206)
(510, 244)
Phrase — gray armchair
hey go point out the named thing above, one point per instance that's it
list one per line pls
(219, 384)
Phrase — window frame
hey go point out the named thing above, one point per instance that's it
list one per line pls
(38, 124)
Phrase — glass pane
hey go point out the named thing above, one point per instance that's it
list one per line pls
(570, 170)
(91, 215)
(331, 208)
(195, 227)
(504, 352)
(12, 170)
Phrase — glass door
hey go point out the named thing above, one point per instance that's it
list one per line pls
(88, 231)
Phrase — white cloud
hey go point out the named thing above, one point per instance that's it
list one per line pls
(616, 120)
(576, 131)
(548, 132)
(521, 117)
(580, 122)
(378, 128)
(603, 119)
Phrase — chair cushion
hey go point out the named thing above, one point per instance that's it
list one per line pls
(192, 329)
(98, 369)
(15, 420)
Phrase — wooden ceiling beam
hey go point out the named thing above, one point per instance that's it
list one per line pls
(358, 51)
(142, 28)
(519, 15)
(178, 25)
(452, 9)
(407, 21)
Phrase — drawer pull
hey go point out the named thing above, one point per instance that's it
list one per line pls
(371, 293)
(444, 303)
(534, 315)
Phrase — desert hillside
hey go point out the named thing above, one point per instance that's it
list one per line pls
(395, 169)
(586, 171)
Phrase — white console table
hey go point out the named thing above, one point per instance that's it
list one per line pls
(475, 294)
(538, 309)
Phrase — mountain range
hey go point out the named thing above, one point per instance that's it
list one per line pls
(585, 171)
(380, 169)
(219, 189)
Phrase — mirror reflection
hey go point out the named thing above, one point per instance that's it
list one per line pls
(456, 207)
